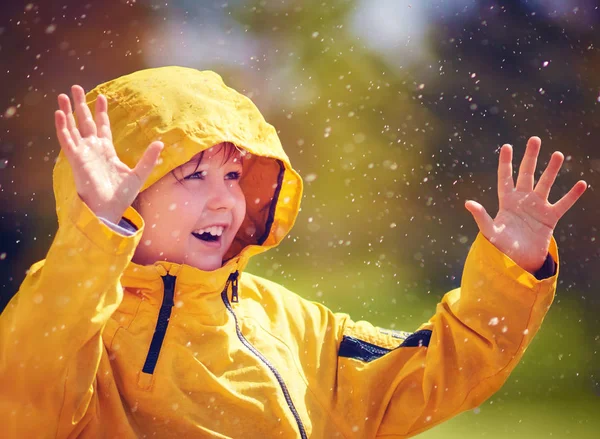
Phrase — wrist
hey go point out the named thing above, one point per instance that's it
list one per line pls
(110, 215)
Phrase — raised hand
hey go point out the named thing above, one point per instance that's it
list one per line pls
(103, 182)
(523, 227)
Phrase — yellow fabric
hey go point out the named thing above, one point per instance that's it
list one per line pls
(74, 339)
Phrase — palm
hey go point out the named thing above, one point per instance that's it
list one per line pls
(530, 222)
(109, 178)
(104, 183)
(523, 227)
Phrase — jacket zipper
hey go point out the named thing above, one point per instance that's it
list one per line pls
(161, 324)
(233, 279)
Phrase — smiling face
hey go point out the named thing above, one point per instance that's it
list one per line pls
(193, 219)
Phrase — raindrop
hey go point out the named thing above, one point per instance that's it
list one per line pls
(545, 63)
(309, 178)
(10, 112)
(359, 138)
(50, 29)
(493, 321)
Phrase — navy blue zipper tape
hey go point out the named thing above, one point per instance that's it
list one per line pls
(357, 349)
(161, 324)
(233, 277)
(245, 342)
(351, 347)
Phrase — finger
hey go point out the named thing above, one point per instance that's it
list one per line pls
(148, 161)
(506, 183)
(527, 168)
(87, 127)
(565, 203)
(62, 133)
(481, 217)
(64, 103)
(102, 120)
(542, 188)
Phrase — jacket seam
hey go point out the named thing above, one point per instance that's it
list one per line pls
(62, 405)
(317, 398)
(125, 327)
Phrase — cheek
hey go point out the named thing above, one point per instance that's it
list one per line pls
(176, 212)
(240, 205)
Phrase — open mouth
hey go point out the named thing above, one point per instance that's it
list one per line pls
(210, 235)
(207, 237)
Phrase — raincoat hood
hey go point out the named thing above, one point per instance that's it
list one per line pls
(190, 111)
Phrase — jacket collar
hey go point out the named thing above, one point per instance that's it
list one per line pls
(196, 291)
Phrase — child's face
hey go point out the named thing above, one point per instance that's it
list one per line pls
(194, 220)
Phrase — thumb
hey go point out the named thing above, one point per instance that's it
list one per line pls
(148, 161)
(481, 217)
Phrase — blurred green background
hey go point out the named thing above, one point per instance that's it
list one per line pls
(393, 112)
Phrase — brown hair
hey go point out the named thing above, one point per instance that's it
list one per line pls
(230, 150)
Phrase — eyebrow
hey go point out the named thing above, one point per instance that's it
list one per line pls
(232, 159)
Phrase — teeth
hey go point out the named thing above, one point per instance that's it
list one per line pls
(214, 230)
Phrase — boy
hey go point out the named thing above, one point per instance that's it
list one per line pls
(150, 327)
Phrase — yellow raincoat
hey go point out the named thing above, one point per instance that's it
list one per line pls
(96, 346)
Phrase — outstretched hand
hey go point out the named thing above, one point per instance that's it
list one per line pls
(523, 227)
(103, 182)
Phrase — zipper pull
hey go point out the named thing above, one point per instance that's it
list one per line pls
(233, 277)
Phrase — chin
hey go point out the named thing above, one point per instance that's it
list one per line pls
(205, 265)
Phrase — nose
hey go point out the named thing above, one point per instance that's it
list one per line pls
(221, 197)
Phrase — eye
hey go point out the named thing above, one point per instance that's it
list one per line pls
(235, 175)
(200, 176)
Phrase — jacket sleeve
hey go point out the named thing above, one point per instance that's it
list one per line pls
(51, 331)
(407, 383)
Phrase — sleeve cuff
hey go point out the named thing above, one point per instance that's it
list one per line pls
(498, 261)
(102, 235)
(125, 227)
